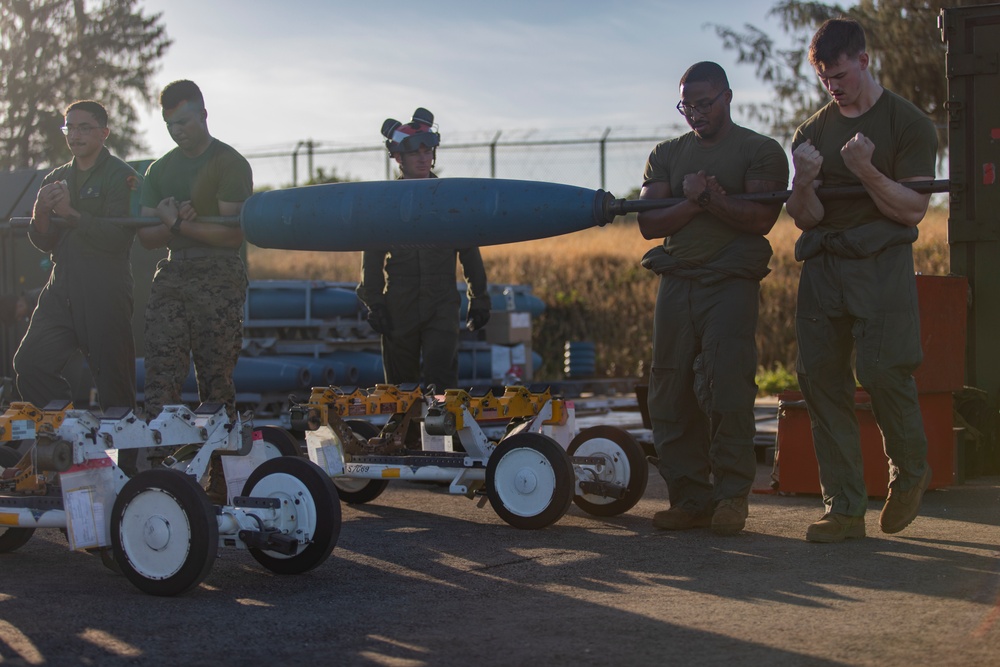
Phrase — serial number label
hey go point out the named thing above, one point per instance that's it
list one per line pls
(22, 429)
(357, 468)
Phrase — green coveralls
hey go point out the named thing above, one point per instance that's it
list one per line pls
(701, 384)
(87, 303)
(417, 289)
(857, 293)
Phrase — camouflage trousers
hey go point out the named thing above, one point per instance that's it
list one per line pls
(194, 314)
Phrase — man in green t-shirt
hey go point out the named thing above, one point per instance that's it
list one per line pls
(714, 254)
(195, 309)
(857, 292)
(87, 303)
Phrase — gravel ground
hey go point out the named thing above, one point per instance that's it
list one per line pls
(419, 577)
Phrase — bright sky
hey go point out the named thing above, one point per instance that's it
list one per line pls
(276, 73)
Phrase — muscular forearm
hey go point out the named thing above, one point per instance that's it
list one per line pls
(805, 207)
(155, 236)
(664, 222)
(896, 201)
(742, 215)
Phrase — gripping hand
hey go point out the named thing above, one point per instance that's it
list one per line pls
(478, 317)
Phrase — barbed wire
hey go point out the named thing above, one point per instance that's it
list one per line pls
(611, 158)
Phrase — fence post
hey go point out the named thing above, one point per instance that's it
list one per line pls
(309, 152)
(493, 155)
(295, 163)
(604, 141)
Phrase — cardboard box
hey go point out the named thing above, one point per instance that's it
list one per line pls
(508, 327)
(511, 364)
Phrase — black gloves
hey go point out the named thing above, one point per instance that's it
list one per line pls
(378, 319)
(478, 317)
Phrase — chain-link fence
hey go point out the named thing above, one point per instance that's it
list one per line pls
(608, 161)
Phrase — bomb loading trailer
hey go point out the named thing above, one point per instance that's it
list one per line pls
(159, 527)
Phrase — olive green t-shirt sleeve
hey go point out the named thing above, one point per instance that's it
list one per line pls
(236, 184)
(917, 150)
(151, 195)
(656, 170)
(769, 163)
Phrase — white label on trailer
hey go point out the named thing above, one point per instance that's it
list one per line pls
(325, 450)
(84, 513)
(333, 459)
(22, 429)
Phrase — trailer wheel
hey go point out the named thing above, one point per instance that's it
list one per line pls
(529, 480)
(164, 532)
(278, 442)
(12, 538)
(357, 490)
(310, 511)
(625, 465)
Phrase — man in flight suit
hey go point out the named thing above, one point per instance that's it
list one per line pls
(87, 303)
(410, 293)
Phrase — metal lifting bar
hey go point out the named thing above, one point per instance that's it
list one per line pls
(612, 207)
(623, 206)
(226, 220)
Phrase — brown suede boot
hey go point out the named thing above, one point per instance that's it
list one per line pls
(730, 516)
(836, 528)
(901, 507)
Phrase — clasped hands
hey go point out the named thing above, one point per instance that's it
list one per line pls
(54, 198)
(169, 210)
(697, 183)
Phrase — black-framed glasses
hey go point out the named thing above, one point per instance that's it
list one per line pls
(704, 108)
(78, 129)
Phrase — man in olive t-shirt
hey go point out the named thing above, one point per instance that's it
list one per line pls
(195, 309)
(714, 254)
(857, 291)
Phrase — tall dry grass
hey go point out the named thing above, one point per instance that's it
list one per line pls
(594, 289)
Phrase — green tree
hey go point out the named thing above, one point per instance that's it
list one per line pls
(904, 42)
(53, 52)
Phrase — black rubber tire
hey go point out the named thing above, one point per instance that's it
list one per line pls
(283, 441)
(12, 539)
(356, 491)
(136, 514)
(544, 466)
(634, 457)
(323, 496)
